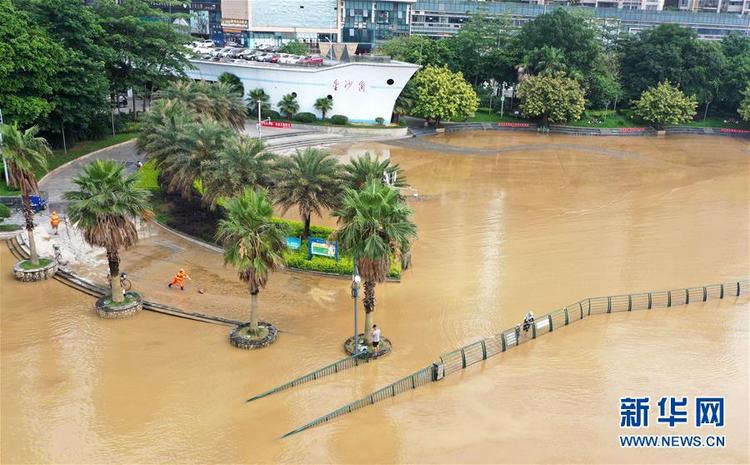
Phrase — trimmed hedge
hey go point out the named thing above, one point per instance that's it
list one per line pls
(339, 120)
(305, 117)
(273, 114)
(345, 265)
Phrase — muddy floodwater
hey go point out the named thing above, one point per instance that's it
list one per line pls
(507, 222)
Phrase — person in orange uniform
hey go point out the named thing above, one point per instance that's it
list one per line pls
(54, 221)
(179, 279)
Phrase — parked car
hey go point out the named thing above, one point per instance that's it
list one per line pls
(203, 44)
(311, 60)
(220, 52)
(235, 52)
(248, 54)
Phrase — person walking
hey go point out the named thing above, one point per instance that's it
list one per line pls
(375, 338)
(179, 279)
(54, 221)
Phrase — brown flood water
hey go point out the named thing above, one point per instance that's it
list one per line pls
(525, 221)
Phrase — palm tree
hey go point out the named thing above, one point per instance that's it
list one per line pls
(163, 129)
(25, 153)
(244, 162)
(288, 105)
(365, 168)
(103, 207)
(257, 97)
(310, 180)
(218, 100)
(323, 104)
(544, 60)
(375, 225)
(253, 243)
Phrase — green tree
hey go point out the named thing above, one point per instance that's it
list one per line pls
(476, 44)
(288, 105)
(103, 208)
(551, 98)
(544, 60)
(243, 162)
(295, 47)
(233, 81)
(257, 98)
(744, 108)
(736, 50)
(310, 180)
(80, 95)
(218, 101)
(253, 243)
(418, 49)
(163, 131)
(665, 105)
(405, 101)
(28, 59)
(25, 153)
(375, 226)
(323, 105)
(442, 94)
(363, 169)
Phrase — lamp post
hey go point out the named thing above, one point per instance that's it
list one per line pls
(502, 98)
(5, 164)
(356, 280)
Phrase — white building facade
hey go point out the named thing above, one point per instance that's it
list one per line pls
(361, 91)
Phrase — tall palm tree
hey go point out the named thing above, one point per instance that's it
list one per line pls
(288, 105)
(218, 100)
(253, 243)
(366, 168)
(243, 162)
(104, 206)
(323, 104)
(163, 129)
(310, 180)
(375, 225)
(257, 97)
(25, 153)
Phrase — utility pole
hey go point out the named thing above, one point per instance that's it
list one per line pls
(502, 98)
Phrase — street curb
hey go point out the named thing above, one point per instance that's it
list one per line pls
(83, 157)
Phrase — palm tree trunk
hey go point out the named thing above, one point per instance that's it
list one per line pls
(113, 258)
(369, 305)
(28, 215)
(306, 231)
(254, 310)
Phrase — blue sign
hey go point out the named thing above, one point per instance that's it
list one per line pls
(293, 242)
(318, 246)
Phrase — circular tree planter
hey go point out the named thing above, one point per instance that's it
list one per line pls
(27, 272)
(241, 339)
(133, 304)
(383, 349)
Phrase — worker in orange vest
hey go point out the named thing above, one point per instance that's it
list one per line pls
(54, 221)
(179, 279)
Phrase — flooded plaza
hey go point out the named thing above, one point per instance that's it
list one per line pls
(507, 222)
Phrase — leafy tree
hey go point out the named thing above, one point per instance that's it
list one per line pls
(243, 162)
(551, 98)
(163, 131)
(744, 108)
(218, 101)
(665, 104)
(29, 58)
(418, 49)
(323, 105)
(288, 105)
(295, 47)
(25, 153)
(736, 50)
(103, 207)
(544, 60)
(363, 169)
(81, 89)
(476, 44)
(253, 243)
(405, 101)
(309, 180)
(442, 94)
(257, 97)
(375, 225)
(233, 81)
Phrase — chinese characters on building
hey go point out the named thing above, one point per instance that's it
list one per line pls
(348, 84)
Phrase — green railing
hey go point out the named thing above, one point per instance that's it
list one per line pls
(478, 351)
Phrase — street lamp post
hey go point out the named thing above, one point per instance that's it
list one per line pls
(502, 98)
(5, 164)
(356, 280)
(259, 120)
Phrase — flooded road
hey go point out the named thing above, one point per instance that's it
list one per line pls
(507, 222)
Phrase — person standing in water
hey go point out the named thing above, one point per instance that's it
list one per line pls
(375, 337)
(179, 279)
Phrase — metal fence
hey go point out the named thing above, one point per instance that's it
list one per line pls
(343, 364)
(478, 351)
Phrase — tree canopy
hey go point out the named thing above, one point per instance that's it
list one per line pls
(442, 94)
(551, 98)
(665, 104)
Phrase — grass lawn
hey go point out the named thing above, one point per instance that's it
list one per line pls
(9, 227)
(602, 119)
(717, 122)
(5, 190)
(260, 334)
(28, 264)
(485, 115)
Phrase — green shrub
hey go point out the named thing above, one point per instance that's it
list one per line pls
(4, 212)
(379, 121)
(345, 265)
(149, 177)
(339, 120)
(305, 117)
(296, 228)
(273, 114)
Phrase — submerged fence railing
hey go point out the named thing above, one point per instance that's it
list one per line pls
(478, 351)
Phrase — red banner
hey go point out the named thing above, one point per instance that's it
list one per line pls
(735, 131)
(631, 129)
(276, 124)
(514, 125)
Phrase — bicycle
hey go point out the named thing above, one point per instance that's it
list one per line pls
(125, 283)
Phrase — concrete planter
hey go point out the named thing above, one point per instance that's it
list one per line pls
(384, 348)
(242, 342)
(120, 311)
(35, 274)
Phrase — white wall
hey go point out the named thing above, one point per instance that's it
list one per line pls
(360, 90)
